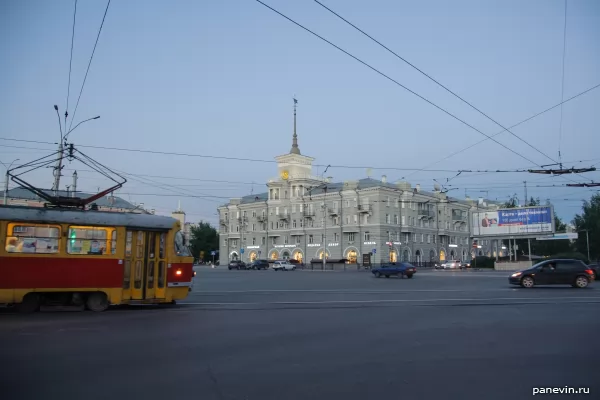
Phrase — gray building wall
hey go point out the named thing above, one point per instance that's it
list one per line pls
(359, 216)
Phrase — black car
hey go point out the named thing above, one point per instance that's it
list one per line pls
(596, 268)
(259, 264)
(554, 272)
(237, 264)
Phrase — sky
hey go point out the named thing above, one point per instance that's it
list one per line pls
(217, 78)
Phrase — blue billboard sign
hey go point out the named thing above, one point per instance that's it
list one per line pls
(513, 221)
(525, 216)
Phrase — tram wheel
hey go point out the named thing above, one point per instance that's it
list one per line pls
(30, 303)
(97, 302)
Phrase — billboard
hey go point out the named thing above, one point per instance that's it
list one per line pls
(524, 221)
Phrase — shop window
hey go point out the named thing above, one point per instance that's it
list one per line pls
(38, 239)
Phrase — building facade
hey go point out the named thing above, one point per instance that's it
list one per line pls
(306, 217)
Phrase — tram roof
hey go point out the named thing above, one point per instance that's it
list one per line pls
(85, 217)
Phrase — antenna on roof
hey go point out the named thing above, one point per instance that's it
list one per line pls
(369, 172)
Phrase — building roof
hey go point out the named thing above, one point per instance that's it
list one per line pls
(365, 183)
(108, 201)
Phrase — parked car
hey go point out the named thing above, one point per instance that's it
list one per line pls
(400, 270)
(237, 264)
(259, 264)
(283, 266)
(554, 272)
(452, 264)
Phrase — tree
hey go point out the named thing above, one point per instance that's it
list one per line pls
(589, 219)
(204, 239)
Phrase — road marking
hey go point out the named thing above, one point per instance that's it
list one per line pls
(389, 301)
(349, 291)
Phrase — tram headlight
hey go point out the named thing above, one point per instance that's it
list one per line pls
(178, 272)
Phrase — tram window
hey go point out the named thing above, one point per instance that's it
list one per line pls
(180, 246)
(128, 243)
(161, 274)
(151, 244)
(151, 275)
(127, 274)
(91, 240)
(137, 282)
(38, 239)
(113, 242)
(161, 247)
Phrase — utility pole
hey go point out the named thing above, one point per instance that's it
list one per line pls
(525, 205)
(587, 238)
(59, 157)
(5, 202)
(325, 227)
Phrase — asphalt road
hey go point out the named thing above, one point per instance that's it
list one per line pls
(314, 335)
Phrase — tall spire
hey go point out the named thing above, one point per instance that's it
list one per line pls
(295, 149)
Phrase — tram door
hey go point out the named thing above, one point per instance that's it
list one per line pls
(145, 265)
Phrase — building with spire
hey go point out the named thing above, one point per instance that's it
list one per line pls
(179, 215)
(308, 217)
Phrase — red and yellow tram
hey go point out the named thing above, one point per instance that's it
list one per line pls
(94, 259)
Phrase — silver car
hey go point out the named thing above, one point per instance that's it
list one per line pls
(452, 264)
(283, 266)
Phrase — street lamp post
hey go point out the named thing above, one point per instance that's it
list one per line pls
(325, 228)
(61, 149)
(587, 239)
(85, 120)
(6, 180)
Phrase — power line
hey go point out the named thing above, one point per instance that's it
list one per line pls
(396, 82)
(163, 185)
(89, 64)
(434, 80)
(513, 126)
(562, 94)
(71, 62)
(267, 161)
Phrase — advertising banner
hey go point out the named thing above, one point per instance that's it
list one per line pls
(524, 221)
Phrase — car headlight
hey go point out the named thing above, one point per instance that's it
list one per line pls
(516, 274)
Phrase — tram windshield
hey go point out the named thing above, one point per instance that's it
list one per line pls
(180, 247)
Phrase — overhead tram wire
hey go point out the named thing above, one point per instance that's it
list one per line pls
(562, 90)
(513, 126)
(89, 65)
(396, 82)
(155, 183)
(459, 97)
(266, 161)
(436, 81)
(70, 63)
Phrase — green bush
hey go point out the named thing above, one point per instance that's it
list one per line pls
(483, 262)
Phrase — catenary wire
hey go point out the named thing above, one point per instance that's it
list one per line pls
(435, 81)
(513, 126)
(396, 82)
(89, 65)
(261, 160)
(71, 60)
(562, 90)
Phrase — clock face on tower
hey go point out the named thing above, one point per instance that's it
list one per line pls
(285, 175)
